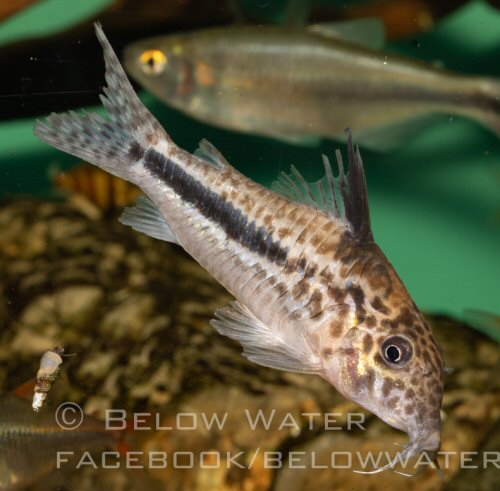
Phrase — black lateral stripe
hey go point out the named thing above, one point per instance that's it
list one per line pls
(215, 208)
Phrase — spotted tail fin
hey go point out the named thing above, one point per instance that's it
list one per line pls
(114, 143)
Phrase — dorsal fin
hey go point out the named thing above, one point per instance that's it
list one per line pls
(357, 209)
(325, 194)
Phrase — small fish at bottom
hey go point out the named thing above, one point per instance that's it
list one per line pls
(29, 442)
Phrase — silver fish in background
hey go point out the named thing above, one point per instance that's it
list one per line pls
(314, 293)
(29, 442)
(301, 84)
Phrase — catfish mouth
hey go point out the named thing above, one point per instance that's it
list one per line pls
(424, 437)
(417, 446)
(412, 450)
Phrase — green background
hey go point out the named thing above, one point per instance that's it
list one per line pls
(435, 202)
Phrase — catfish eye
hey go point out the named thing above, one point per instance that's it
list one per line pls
(396, 351)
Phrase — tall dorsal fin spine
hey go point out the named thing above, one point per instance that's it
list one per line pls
(343, 198)
(357, 210)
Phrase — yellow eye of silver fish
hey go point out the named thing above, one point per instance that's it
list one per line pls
(397, 351)
(153, 61)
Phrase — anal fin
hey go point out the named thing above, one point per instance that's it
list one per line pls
(263, 345)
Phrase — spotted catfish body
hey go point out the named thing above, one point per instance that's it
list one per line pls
(314, 292)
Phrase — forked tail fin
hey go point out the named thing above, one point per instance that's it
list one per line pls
(112, 144)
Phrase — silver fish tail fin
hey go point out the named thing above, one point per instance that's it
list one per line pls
(480, 101)
(114, 143)
(492, 107)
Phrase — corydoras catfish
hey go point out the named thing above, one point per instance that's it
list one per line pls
(301, 84)
(314, 293)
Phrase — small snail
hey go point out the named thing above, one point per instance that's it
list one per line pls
(47, 373)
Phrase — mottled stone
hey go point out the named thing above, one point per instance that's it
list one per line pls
(126, 320)
(97, 365)
(77, 305)
(135, 313)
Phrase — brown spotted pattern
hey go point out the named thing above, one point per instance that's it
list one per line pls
(363, 293)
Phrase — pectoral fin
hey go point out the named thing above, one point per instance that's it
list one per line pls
(263, 345)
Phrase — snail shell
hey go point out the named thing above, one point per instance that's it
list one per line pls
(47, 372)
